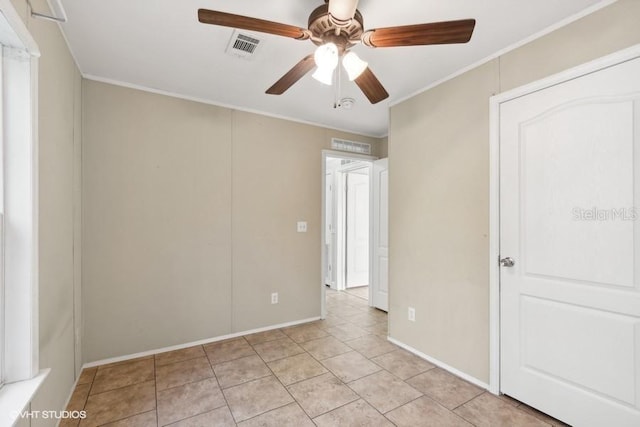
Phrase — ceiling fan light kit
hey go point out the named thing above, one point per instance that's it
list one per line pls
(326, 59)
(354, 65)
(326, 56)
(336, 27)
(324, 75)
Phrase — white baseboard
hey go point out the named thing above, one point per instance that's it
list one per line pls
(181, 346)
(73, 388)
(440, 364)
(194, 343)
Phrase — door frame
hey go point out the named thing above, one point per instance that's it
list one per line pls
(494, 187)
(323, 220)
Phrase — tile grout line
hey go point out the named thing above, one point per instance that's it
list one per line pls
(310, 378)
(187, 383)
(420, 373)
(345, 342)
(318, 361)
(219, 386)
(371, 404)
(277, 379)
(287, 387)
(182, 360)
(464, 403)
(119, 388)
(155, 384)
(191, 382)
(136, 413)
(86, 400)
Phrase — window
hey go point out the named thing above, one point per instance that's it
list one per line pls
(19, 372)
(1, 231)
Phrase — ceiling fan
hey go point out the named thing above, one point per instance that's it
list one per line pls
(336, 27)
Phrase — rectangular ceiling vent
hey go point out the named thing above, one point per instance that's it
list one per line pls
(243, 45)
(351, 146)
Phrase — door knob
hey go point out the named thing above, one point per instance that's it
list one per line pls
(507, 262)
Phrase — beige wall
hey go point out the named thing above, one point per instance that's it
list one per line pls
(438, 213)
(383, 147)
(190, 215)
(59, 226)
(439, 163)
(156, 225)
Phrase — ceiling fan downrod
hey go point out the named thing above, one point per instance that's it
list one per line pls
(341, 13)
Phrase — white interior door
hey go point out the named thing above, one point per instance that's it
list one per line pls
(569, 199)
(357, 211)
(329, 231)
(380, 214)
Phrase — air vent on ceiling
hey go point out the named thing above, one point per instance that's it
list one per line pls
(243, 45)
(352, 146)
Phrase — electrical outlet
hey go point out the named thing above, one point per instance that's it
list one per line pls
(412, 314)
(274, 298)
(302, 226)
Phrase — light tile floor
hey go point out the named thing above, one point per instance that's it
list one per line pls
(359, 291)
(341, 371)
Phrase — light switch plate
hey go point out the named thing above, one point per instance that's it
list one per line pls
(302, 226)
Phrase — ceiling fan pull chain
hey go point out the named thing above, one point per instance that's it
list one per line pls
(338, 88)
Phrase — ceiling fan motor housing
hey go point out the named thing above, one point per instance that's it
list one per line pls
(323, 29)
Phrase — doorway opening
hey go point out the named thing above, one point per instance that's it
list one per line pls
(346, 230)
(347, 225)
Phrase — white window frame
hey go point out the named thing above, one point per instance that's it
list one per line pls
(19, 346)
(1, 225)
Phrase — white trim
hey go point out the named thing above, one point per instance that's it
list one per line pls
(219, 104)
(21, 212)
(73, 389)
(494, 249)
(15, 397)
(57, 11)
(440, 364)
(2, 297)
(194, 343)
(494, 189)
(20, 29)
(35, 206)
(372, 224)
(64, 35)
(340, 228)
(566, 21)
(606, 61)
(323, 219)
(20, 180)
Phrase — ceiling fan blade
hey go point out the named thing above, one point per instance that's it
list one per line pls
(224, 19)
(421, 34)
(293, 75)
(371, 86)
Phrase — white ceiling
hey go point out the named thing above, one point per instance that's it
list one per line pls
(160, 45)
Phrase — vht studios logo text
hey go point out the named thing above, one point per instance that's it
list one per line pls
(56, 415)
(598, 214)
